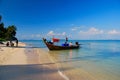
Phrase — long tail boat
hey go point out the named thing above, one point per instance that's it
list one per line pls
(56, 47)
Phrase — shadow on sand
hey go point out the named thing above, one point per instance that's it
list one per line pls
(29, 72)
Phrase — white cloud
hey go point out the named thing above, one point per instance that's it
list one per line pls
(64, 33)
(76, 28)
(73, 29)
(38, 35)
(32, 36)
(51, 33)
(92, 31)
(113, 32)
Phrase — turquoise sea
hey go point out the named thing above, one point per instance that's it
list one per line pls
(95, 60)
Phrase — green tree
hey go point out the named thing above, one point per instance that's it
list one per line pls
(0, 18)
(2, 29)
(11, 32)
(8, 33)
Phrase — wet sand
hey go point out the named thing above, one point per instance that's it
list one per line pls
(78, 69)
(21, 63)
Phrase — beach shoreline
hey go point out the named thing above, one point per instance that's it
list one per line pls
(23, 62)
(33, 63)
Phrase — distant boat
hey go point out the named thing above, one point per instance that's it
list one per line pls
(51, 46)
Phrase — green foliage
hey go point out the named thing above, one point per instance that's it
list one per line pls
(0, 17)
(11, 32)
(2, 31)
(8, 33)
(1, 39)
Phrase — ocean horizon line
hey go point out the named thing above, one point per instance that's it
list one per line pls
(79, 39)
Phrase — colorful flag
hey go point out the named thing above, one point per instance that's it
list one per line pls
(55, 40)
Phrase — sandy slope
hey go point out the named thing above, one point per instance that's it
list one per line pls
(12, 55)
(20, 63)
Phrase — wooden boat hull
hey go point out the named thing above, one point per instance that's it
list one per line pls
(55, 47)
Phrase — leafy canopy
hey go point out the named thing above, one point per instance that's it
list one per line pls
(8, 33)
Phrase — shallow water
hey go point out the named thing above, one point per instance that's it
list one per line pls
(95, 60)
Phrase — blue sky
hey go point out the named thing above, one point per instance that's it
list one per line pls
(78, 19)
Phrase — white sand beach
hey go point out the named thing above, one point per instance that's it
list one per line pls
(12, 55)
(20, 63)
